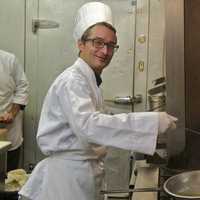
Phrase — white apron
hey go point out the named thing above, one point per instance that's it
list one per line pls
(57, 173)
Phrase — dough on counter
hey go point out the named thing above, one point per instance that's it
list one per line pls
(16, 179)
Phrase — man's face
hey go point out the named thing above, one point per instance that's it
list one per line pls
(94, 52)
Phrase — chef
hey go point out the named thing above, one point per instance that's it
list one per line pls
(73, 131)
(14, 89)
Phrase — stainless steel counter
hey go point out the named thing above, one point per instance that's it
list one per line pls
(147, 176)
(4, 146)
(143, 184)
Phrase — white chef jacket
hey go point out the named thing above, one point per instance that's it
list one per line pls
(13, 89)
(73, 131)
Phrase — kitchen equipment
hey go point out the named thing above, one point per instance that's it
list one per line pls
(10, 195)
(143, 184)
(157, 96)
(4, 146)
(185, 185)
(157, 102)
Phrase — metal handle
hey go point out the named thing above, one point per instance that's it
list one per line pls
(43, 24)
(123, 100)
(193, 131)
(128, 100)
(152, 189)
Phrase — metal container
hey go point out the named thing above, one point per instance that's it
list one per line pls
(185, 185)
(157, 102)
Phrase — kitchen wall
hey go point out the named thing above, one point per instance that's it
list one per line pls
(12, 29)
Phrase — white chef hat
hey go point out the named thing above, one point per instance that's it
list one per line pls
(90, 14)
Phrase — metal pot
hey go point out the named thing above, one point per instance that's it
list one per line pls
(185, 185)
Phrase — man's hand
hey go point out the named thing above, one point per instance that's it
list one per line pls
(166, 122)
(9, 116)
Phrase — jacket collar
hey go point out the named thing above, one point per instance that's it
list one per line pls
(88, 71)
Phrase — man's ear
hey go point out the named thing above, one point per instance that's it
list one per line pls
(80, 45)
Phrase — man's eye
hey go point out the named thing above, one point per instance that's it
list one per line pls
(99, 43)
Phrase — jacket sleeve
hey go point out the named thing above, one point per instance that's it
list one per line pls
(133, 131)
(22, 85)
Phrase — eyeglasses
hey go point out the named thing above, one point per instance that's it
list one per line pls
(99, 44)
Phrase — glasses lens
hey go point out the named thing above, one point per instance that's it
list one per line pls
(114, 47)
(98, 43)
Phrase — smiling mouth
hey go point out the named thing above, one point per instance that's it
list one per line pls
(102, 59)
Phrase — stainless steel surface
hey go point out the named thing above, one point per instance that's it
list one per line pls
(43, 24)
(143, 183)
(146, 177)
(123, 100)
(185, 185)
(4, 146)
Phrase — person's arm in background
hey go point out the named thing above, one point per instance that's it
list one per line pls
(20, 96)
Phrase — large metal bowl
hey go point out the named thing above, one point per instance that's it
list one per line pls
(185, 185)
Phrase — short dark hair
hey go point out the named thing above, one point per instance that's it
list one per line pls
(87, 32)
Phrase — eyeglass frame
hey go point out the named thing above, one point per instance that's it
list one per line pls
(109, 45)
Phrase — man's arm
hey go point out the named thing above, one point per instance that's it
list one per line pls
(20, 96)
